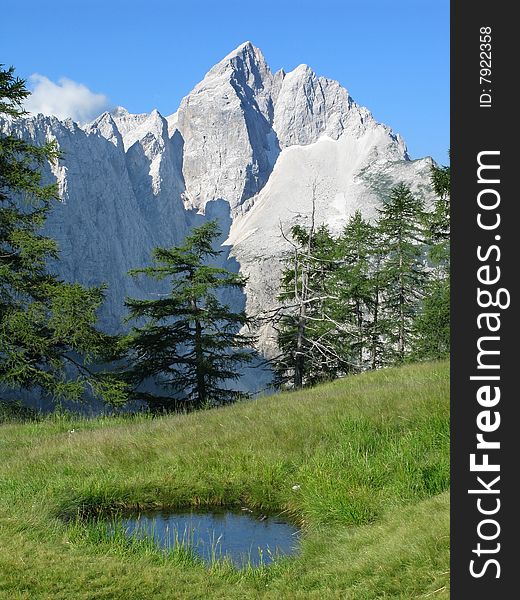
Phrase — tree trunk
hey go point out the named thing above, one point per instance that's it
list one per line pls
(299, 362)
(359, 318)
(201, 395)
(401, 343)
(374, 328)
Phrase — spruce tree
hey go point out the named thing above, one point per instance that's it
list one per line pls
(403, 271)
(431, 329)
(438, 227)
(48, 336)
(355, 286)
(432, 325)
(378, 325)
(189, 345)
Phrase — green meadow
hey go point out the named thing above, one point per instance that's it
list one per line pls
(367, 454)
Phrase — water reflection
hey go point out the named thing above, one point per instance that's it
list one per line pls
(241, 536)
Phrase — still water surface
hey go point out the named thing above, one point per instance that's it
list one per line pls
(242, 536)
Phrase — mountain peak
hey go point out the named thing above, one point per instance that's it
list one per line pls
(246, 47)
(119, 111)
(246, 56)
(246, 145)
(301, 70)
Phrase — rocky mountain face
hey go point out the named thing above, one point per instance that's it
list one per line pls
(246, 146)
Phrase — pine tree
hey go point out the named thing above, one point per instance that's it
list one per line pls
(432, 325)
(47, 327)
(189, 344)
(438, 220)
(403, 271)
(378, 325)
(355, 286)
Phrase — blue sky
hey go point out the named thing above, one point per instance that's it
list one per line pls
(392, 56)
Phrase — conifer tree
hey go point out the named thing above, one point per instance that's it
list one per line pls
(438, 228)
(432, 325)
(403, 270)
(189, 345)
(47, 327)
(355, 286)
(431, 329)
(306, 323)
(316, 327)
(377, 325)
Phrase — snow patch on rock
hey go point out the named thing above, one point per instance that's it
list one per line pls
(245, 146)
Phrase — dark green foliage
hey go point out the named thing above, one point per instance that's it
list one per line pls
(374, 296)
(309, 333)
(378, 323)
(357, 287)
(189, 345)
(403, 271)
(13, 92)
(14, 411)
(47, 327)
(438, 221)
(440, 217)
(432, 325)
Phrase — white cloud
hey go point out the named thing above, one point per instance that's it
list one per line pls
(64, 99)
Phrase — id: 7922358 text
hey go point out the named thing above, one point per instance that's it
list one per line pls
(485, 67)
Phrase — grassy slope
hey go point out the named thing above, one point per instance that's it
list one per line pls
(371, 454)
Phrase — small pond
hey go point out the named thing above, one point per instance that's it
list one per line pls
(243, 537)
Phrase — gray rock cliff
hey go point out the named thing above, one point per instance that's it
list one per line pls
(246, 146)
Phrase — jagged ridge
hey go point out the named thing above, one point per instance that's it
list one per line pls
(245, 145)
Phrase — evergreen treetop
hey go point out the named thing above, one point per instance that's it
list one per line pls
(47, 327)
(403, 270)
(190, 343)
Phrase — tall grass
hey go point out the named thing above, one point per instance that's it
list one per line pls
(362, 464)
